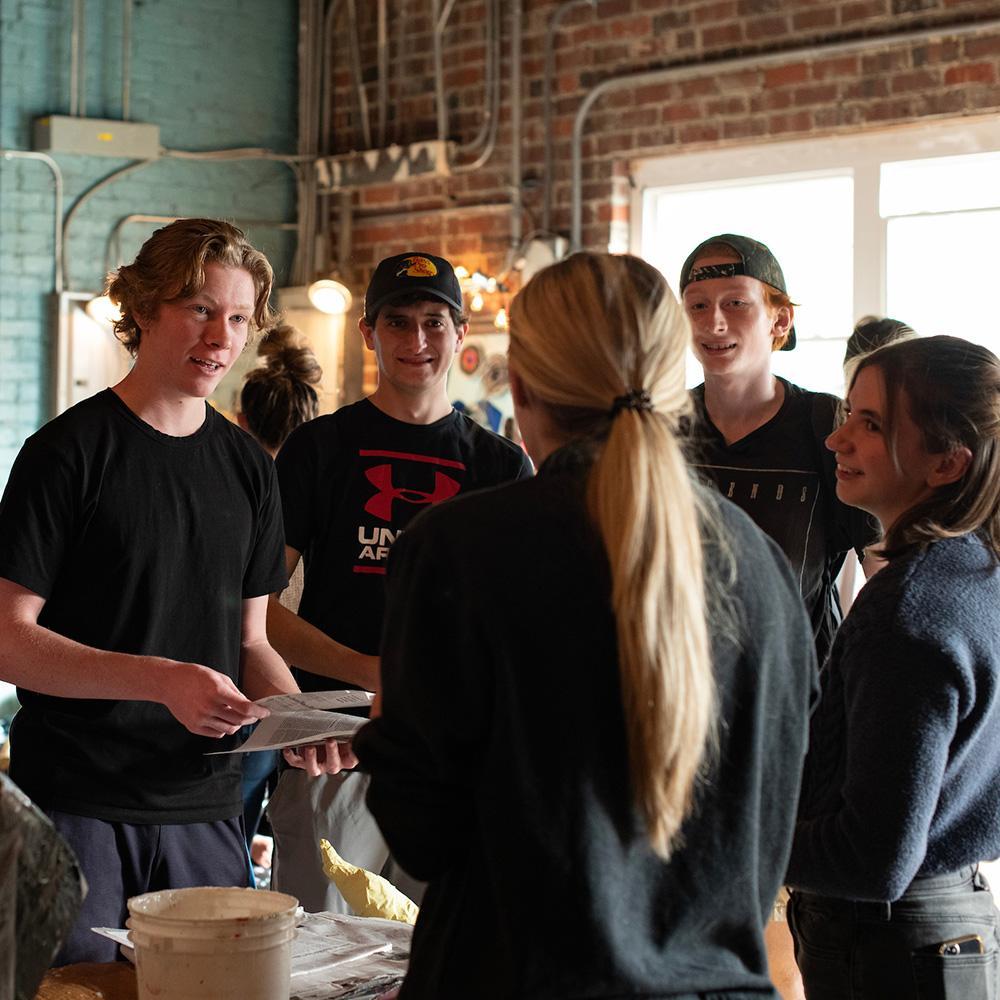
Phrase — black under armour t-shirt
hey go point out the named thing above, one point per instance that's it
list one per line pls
(350, 482)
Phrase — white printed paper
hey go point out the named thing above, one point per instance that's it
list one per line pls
(298, 719)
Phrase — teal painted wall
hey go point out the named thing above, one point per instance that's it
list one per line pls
(212, 74)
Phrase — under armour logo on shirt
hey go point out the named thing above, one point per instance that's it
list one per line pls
(380, 505)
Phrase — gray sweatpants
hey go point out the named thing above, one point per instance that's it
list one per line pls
(304, 810)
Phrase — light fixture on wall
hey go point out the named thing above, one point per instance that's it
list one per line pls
(102, 310)
(480, 291)
(330, 296)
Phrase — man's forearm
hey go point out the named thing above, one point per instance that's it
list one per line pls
(263, 672)
(309, 648)
(36, 658)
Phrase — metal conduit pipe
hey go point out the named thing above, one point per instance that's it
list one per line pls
(494, 118)
(75, 43)
(550, 64)
(759, 61)
(344, 232)
(321, 111)
(307, 74)
(310, 43)
(57, 251)
(359, 83)
(497, 82)
(478, 208)
(85, 196)
(303, 53)
(208, 155)
(307, 171)
(440, 106)
(490, 81)
(112, 256)
(515, 130)
(326, 100)
(315, 91)
(399, 70)
(445, 14)
(126, 58)
(383, 71)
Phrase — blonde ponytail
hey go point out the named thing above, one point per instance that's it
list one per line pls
(622, 385)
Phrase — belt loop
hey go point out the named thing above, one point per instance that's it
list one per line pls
(979, 880)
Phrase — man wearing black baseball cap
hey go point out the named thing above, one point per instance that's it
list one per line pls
(761, 437)
(350, 482)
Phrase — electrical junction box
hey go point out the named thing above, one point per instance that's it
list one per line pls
(96, 137)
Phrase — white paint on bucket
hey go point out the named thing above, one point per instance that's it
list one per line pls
(213, 944)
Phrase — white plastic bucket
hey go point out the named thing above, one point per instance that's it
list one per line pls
(213, 944)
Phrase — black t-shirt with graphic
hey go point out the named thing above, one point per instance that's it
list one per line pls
(784, 477)
(350, 482)
(140, 543)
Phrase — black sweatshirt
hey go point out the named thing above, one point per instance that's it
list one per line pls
(499, 770)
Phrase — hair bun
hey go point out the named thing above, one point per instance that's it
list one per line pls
(286, 353)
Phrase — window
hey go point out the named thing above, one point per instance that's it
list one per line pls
(898, 223)
(942, 247)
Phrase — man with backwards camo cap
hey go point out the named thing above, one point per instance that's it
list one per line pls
(760, 437)
(350, 482)
(761, 440)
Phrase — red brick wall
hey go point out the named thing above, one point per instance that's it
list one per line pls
(887, 83)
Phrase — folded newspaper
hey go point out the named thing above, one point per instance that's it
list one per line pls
(297, 719)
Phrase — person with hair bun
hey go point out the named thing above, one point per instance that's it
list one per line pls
(595, 684)
(277, 396)
(280, 394)
(902, 787)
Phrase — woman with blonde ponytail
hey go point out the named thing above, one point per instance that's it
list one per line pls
(595, 684)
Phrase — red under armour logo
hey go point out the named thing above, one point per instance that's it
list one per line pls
(380, 505)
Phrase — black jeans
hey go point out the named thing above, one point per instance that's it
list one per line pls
(911, 949)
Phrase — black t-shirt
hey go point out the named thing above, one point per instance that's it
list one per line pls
(350, 482)
(783, 476)
(140, 543)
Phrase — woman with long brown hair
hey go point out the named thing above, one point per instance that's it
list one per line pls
(595, 684)
(902, 787)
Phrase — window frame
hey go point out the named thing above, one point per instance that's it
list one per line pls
(861, 154)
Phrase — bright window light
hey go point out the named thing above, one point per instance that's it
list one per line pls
(939, 271)
(940, 184)
(899, 223)
(806, 221)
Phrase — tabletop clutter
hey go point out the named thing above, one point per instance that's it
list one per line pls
(210, 943)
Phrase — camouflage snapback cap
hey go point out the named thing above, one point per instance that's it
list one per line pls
(756, 261)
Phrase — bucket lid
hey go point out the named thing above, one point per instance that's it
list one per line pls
(211, 903)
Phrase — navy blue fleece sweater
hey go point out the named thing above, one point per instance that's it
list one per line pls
(903, 774)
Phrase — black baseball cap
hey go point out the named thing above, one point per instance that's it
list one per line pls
(413, 271)
(756, 261)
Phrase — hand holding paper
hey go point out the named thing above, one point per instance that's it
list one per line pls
(297, 719)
